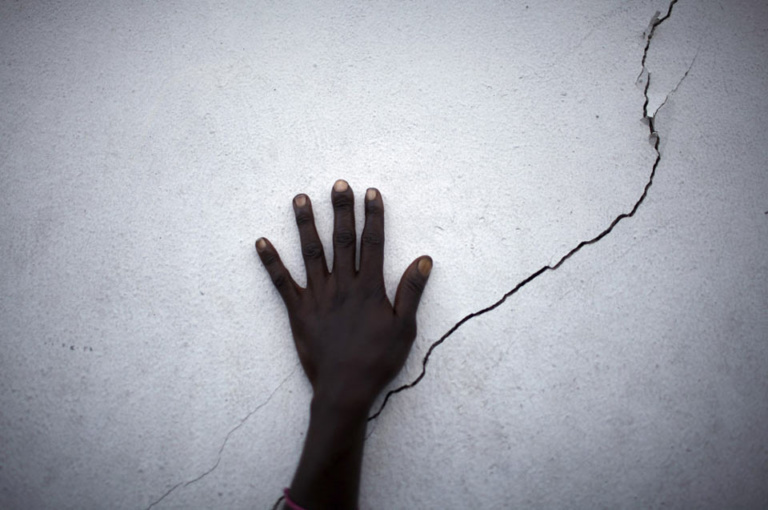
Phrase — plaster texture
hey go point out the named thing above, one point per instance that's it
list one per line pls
(146, 361)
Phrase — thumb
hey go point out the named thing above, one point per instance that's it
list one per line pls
(412, 286)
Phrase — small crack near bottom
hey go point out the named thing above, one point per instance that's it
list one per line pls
(277, 503)
(158, 500)
(224, 443)
(654, 140)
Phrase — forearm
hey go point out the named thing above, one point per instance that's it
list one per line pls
(328, 475)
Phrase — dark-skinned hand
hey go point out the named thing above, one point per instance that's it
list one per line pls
(350, 339)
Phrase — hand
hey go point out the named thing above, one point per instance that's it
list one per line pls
(350, 339)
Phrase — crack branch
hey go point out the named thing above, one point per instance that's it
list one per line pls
(224, 443)
(277, 503)
(676, 86)
(654, 139)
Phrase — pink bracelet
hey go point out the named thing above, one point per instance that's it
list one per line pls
(289, 502)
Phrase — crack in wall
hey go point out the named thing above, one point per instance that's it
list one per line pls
(277, 503)
(666, 98)
(168, 492)
(224, 443)
(655, 22)
(654, 140)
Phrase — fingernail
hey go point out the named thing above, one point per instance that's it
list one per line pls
(300, 200)
(425, 266)
(370, 194)
(261, 244)
(341, 185)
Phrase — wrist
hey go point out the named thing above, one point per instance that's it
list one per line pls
(347, 399)
(340, 405)
(328, 474)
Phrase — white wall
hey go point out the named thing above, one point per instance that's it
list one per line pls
(143, 148)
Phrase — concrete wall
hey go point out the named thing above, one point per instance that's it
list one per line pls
(147, 362)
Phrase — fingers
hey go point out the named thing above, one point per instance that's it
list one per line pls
(280, 276)
(372, 242)
(344, 237)
(412, 286)
(311, 247)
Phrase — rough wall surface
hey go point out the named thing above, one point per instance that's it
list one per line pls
(147, 362)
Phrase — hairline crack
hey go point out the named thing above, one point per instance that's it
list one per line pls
(224, 443)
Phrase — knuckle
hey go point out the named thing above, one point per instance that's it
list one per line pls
(344, 238)
(280, 280)
(268, 258)
(312, 250)
(373, 239)
(373, 208)
(414, 284)
(304, 218)
(343, 202)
